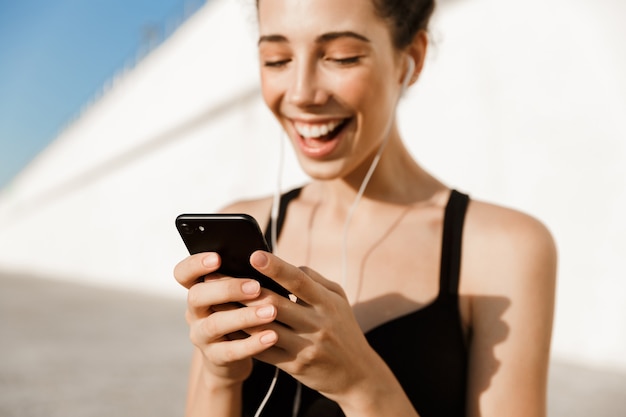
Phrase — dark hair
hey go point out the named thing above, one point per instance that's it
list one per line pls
(406, 18)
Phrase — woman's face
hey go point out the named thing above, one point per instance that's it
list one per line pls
(331, 76)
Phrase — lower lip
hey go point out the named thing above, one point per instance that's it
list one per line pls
(319, 148)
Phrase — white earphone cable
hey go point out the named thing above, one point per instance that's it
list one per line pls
(274, 238)
(346, 225)
(366, 180)
(268, 394)
(277, 191)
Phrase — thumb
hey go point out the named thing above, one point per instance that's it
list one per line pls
(324, 282)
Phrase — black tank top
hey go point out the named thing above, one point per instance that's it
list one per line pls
(425, 349)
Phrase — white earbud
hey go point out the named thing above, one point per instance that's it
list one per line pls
(408, 76)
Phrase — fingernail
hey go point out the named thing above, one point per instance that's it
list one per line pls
(210, 261)
(269, 338)
(250, 287)
(265, 312)
(259, 259)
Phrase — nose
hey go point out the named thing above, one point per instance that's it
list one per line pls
(306, 86)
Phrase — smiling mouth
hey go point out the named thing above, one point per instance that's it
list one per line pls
(312, 132)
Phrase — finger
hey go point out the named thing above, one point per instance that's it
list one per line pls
(218, 325)
(326, 283)
(220, 293)
(191, 269)
(287, 349)
(292, 278)
(234, 350)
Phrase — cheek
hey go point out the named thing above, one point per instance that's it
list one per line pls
(362, 90)
(270, 92)
(353, 96)
(351, 87)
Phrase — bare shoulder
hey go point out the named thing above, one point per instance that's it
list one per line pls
(502, 245)
(490, 221)
(509, 278)
(258, 208)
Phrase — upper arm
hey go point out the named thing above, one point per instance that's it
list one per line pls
(510, 275)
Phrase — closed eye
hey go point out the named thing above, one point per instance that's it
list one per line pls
(346, 61)
(277, 63)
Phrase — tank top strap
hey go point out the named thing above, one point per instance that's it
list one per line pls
(454, 218)
(285, 199)
(450, 268)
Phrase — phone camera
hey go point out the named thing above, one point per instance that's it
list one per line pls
(187, 229)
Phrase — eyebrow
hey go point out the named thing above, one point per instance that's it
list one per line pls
(326, 37)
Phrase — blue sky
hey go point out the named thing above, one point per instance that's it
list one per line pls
(55, 55)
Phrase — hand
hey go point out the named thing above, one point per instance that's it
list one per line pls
(320, 342)
(217, 319)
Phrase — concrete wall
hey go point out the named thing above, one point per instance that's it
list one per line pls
(521, 103)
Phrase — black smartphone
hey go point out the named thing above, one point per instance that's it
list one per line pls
(234, 237)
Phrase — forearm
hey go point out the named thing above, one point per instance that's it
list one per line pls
(208, 397)
(380, 396)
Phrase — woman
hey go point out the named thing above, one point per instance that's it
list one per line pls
(391, 318)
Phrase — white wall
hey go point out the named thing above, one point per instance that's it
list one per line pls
(525, 104)
(521, 103)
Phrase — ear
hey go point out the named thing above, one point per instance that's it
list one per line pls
(417, 50)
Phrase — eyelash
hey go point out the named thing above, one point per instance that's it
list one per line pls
(346, 61)
(276, 64)
(340, 61)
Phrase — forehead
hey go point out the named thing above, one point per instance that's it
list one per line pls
(301, 18)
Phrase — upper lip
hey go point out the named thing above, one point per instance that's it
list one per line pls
(312, 120)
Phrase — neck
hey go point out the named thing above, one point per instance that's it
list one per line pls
(397, 179)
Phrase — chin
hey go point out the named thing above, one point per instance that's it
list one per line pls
(322, 170)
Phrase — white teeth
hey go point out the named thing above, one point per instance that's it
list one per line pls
(315, 130)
